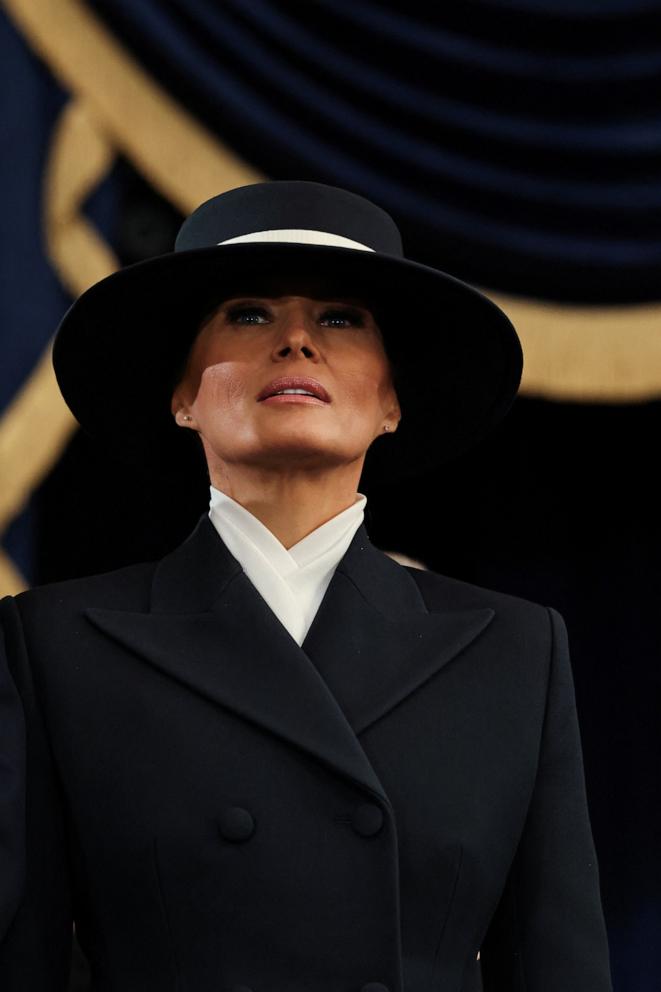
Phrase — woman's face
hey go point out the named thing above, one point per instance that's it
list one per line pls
(251, 341)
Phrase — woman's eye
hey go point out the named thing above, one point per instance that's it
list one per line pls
(247, 315)
(342, 318)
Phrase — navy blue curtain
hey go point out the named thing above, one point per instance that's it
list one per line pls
(518, 144)
(29, 290)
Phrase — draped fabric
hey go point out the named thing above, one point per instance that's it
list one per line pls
(30, 294)
(518, 144)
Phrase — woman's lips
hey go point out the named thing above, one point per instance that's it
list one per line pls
(301, 383)
(294, 398)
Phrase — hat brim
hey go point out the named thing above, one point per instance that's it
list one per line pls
(120, 344)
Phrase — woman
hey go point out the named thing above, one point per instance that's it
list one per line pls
(276, 760)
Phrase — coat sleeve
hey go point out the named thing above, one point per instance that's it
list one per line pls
(36, 951)
(12, 794)
(548, 933)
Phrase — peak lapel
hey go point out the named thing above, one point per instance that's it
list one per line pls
(372, 643)
(373, 639)
(211, 630)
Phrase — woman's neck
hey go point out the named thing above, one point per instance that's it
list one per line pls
(291, 506)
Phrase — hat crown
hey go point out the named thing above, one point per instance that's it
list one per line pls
(276, 210)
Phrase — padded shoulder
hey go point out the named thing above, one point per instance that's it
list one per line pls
(442, 592)
(123, 588)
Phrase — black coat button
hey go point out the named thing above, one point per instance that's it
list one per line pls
(367, 820)
(236, 823)
(374, 987)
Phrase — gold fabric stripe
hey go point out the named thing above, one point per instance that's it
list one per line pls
(175, 153)
(33, 431)
(588, 354)
(80, 155)
(33, 426)
(11, 579)
(37, 425)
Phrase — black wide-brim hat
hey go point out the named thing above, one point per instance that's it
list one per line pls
(123, 342)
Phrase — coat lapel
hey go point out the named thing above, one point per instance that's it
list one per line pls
(372, 643)
(373, 639)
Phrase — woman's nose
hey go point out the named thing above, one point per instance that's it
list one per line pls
(296, 332)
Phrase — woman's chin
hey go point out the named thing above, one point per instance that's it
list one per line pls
(284, 449)
(307, 454)
(307, 457)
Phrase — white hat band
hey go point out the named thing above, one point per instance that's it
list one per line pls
(299, 236)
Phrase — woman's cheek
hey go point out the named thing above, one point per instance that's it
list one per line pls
(361, 393)
(221, 389)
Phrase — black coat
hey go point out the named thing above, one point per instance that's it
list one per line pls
(220, 809)
(12, 796)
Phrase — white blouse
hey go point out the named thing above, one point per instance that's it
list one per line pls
(292, 581)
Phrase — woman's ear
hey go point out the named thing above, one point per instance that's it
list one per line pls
(394, 412)
(176, 403)
(179, 407)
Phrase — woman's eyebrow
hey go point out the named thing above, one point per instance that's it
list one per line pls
(274, 300)
(243, 301)
(343, 301)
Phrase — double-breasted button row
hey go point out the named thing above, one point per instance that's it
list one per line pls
(237, 824)
(367, 820)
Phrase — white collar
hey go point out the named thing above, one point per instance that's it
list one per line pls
(329, 536)
(292, 581)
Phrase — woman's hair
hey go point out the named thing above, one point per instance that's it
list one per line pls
(180, 367)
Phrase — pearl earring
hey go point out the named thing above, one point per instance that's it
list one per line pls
(186, 417)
